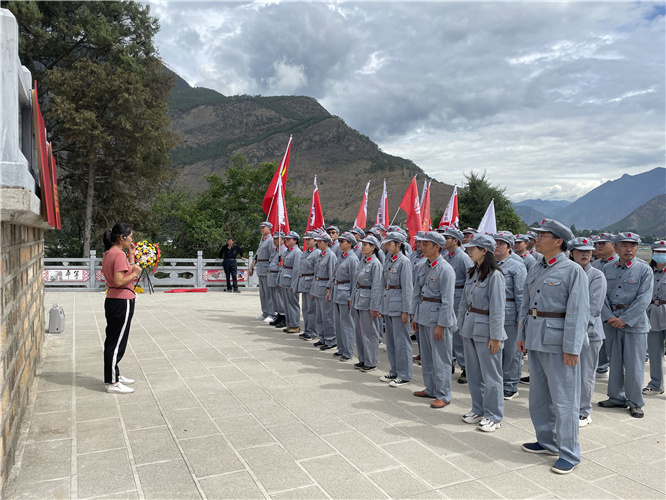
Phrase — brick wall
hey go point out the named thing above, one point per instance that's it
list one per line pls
(22, 328)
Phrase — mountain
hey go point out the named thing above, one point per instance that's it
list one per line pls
(543, 206)
(214, 127)
(648, 219)
(528, 214)
(613, 200)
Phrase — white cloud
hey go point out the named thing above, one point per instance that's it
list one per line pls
(288, 78)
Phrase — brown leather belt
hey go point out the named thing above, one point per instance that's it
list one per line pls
(393, 287)
(534, 313)
(262, 260)
(364, 287)
(460, 287)
(478, 311)
(336, 282)
(510, 300)
(317, 278)
(658, 302)
(311, 274)
(619, 306)
(430, 299)
(287, 267)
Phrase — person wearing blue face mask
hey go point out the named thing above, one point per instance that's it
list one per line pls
(657, 314)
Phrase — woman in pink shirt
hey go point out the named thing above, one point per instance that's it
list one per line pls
(119, 274)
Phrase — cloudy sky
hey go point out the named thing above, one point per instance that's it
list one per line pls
(551, 99)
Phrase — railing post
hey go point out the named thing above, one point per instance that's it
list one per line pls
(91, 268)
(199, 277)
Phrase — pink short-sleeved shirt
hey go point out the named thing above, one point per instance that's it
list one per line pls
(116, 261)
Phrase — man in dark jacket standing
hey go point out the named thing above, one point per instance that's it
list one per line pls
(229, 253)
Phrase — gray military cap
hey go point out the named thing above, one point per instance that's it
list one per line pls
(555, 227)
(279, 234)
(469, 230)
(522, 237)
(334, 228)
(310, 234)
(505, 236)
(323, 237)
(435, 237)
(379, 226)
(482, 241)
(266, 224)
(419, 235)
(374, 233)
(581, 244)
(293, 235)
(347, 236)
(394, 236)
(358, 231)
(605, 237)
(453, 233)
(372, 240)
(531, 235)
(659, 246)
(633, 237)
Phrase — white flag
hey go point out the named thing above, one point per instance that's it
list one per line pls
(382, 213)
(488, 224)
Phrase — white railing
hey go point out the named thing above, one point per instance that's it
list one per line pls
(84, 275)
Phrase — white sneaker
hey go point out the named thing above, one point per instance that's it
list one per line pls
(119, 389)
(487, 426)
(125, 380)
(268, 319)
(583, 421)
(388, 377)
(398, 382)
(260, 317)
(651, 392)
(472, 418)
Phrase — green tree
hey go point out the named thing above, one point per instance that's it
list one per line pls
(474, 198)
(103, 93)
(231, 206)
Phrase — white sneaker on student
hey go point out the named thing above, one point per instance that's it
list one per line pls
(268, 319)
(472, 418)
(119, 388)
(489, 426)
(125, 380)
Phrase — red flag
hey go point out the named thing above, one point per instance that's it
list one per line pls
(280, 173)
(410, 204)
(382, 213)
(425, 210)
(277, 214)
(362, 215)
(316, 219)
(450, 216)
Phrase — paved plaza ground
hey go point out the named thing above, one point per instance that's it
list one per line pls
(227, 407)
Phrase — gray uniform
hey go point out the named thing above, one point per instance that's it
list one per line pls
(418, 260)
(432, 305)
(600, 263)
(514, 274)
(344, 281)
(528, 260)
(323, 281)
(481, 318)
(513, 255)
(559, 286)
(603, 365)
(460, 262)
(657, 335)
(358, 250)
(398, 290)
(335, 248)
(595, 334)
(272, 278)
(537, 256)
(366, 297)
(290, 264)
(262, 258)
(304, 287)
(628, 295)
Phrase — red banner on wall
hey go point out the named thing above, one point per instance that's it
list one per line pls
(54, 184)
(48, 207)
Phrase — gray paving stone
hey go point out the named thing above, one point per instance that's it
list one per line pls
(210, 455)
(179, 398)
(99, 435)
(95, 408)
(48, 426)
(50, 401)
(513, 485)
(167, 480)
(362, 452)
(104, 473)
(619, 485)
(275, 468)
(300, 441)
(569, 486)
(222, 405)
(470, 489)
(191, 422)
(339, 479)
(244, 431)
(399, 483)
(204, 386)
(641, 472)
(58, 488)
(307, 493)
(46, 460)
(375, 428)
(165, 380)
(142, 415)
(157, 365)
(152, 445)
(238, 485)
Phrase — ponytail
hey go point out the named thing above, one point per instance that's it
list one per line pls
(111, 235)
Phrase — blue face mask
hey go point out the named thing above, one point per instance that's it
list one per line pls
(659, 257)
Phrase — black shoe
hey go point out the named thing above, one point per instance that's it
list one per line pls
(236, 291)
(359, 366)
(611, 404)
(453, 369)
(318, 343)
(636, 412)
(413, 337)
(368, 368)
(277, 319)
(344, 358)
(327, 347)
(463, 378)
(337, 354)
(281, 324)
(525, 380)
(508, 395)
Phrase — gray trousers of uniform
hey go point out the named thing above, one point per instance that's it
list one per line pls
(399, 348)
(554, 403)
(277, 300)
(292, 309)
(325, 322)
(458, 349)
(344, 329)
(436, 362)
(265, 297)
(511, 359)
(484, 378)
(655, 342)
(367, 337)
(626, 352)
(588, 359)
(603, 365)
(309, 309)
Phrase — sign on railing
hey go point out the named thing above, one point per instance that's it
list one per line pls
(86, 274)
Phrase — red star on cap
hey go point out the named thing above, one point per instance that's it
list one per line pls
(584, 241)
(662, 243)
(629, 234)
(543, 221)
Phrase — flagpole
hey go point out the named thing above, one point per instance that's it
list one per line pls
(396, 214)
